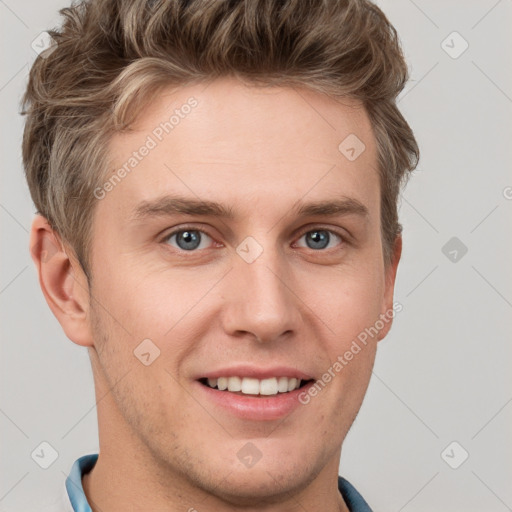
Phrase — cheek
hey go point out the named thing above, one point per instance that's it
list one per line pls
(349, 303)
(166, 308)
(145, 304)
(348, 300)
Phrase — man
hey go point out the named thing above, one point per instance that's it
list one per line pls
(216, 185)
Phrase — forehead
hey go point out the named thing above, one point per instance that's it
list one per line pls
(247, 145)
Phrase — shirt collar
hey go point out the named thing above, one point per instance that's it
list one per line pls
(355, 502)
(74, 486)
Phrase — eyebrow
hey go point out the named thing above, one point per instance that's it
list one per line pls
(173, 205)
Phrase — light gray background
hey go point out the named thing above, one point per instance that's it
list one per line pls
(443, 373)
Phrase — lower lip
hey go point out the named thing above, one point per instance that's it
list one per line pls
(256, 408)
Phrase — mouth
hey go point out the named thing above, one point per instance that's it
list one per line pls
(257, 388)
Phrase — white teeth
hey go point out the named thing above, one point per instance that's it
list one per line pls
(222, 383)
(282, 384)
(292, 384)
(268, 386)
(234, 384)
(252, 386)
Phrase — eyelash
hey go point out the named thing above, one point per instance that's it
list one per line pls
(167, 237)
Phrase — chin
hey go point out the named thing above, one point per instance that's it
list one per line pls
(260, 486)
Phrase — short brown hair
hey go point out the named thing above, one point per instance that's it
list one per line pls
(111, 56)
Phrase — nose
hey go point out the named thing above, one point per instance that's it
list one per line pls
(259, 299)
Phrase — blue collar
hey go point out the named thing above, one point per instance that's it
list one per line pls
(355, 502)
(74, 487)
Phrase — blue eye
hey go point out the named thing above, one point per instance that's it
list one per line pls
(192, 239)
(319, 239)
(188, 239)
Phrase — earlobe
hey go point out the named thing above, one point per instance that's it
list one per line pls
(388, 312)
(63, 282)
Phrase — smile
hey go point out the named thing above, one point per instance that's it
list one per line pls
(255, 387)
(252, 386)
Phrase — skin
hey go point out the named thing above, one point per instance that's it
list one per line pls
(163, 447)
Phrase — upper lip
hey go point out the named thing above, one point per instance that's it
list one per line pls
(255, 372)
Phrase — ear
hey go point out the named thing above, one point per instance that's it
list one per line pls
(62, 280)
(390, 276)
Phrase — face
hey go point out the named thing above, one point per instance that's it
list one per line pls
(259, 284)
